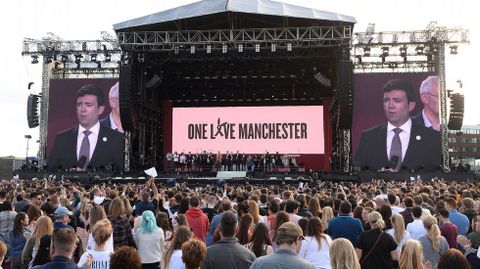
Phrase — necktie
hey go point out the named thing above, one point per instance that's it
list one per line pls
(85, 148)
(396, 148)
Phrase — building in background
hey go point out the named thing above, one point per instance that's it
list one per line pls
(464, 148)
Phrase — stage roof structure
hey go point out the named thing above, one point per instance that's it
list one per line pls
(219, 14)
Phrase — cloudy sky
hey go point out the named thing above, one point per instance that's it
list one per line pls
(87, 18)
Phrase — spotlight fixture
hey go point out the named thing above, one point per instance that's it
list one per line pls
(274, 47)
(403, 52)
(141, 58)
(34, 59)
(257, 47)
(240, 48)
(454, 50)
(108, 57)
(419, 49)
(93, 57)
(385, 51)
(64, 58)
(176, 50)
(192, 49)
(224, 48)
(359, 59)
(366, 52)
(209, 48)
(48, 59)
(289, 46)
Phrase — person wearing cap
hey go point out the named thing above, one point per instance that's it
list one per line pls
(62, 218)
(289, 240)
(227, 252)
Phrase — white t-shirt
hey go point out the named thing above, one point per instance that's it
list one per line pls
(101, 259)
(310, 252)
(176, 260)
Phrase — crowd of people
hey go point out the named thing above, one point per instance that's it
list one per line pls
(378, 224)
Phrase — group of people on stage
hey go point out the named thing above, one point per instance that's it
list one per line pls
(229, 161)
(377, 224)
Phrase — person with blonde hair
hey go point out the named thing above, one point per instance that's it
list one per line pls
(376, 248)
(433, 243)
(327, 215)
(342, 255)
(100, 255)
(254, 210)
(3, 252)
(398, 231)
(411, 256)
(44, 227)
(96, 214)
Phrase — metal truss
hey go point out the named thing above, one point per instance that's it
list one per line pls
(346, 149)
(75, 56)
(443, 108)
(207, 40)
(412, 51)
(44, 115)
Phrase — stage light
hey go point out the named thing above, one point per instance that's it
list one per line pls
(257, 47)
(274, 47)
(366, 52)
(78, 59)
(395, 38)
(192, 49)
(141, 58)
(224, 48)
(454, 50)
(403, 52)
(240, 48)
(289, 46)
(209, 48)
(48, 59)
(419, 49)
(176, 50)
(84, 46)
(64, 58)
(359, 59)
(108, 57)
(385, 51)
(34, 59)
(392, 65)
(93, 57)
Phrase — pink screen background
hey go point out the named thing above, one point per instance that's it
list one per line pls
(311, 115)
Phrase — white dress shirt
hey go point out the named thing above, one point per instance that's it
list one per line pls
(404, 136)
(92, 138)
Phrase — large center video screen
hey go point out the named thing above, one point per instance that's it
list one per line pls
(396, 123)
(285, 129)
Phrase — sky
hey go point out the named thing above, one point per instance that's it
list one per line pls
(76, 20)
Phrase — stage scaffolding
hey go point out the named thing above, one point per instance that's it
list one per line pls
(370, 51)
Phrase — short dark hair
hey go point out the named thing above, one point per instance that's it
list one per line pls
(345, 207)
(444, 213)
(392, 199)
(194, 201)
(291, 205)
(408, 202)
(417, 212)
(403, 85)
(64, 239)
(92, 90)
(3, 194)
(228, 224)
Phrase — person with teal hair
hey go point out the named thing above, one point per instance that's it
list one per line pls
(150, 240)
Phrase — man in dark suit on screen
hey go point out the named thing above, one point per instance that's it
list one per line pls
(88, 145)
(399, 144)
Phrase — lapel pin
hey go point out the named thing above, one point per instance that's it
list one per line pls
(418, 137)
(105, 139)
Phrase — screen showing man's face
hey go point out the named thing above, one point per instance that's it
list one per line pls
(88, 110)
(396, 106)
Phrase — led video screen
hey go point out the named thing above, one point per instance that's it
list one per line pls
(96, 110)
(396, 124)
(282, 129)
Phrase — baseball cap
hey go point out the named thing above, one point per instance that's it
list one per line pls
(62, 211)
(289, 230)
